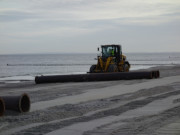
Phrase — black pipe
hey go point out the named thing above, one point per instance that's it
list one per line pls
(2, 107)
(94, 77)
(17, 103)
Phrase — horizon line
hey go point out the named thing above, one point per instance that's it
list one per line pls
(44, 53)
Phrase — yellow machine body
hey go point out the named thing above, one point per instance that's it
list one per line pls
(110, 60)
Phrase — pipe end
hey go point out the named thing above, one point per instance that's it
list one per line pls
(156, 74)
(24, 103)
(2, 107)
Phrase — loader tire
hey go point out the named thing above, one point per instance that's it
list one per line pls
(113, 68)
(92, 69)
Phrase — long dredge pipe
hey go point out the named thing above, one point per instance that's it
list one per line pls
(17, 103)
(97, 77)
(2, 107)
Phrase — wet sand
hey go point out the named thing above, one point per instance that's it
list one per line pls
(122, 107)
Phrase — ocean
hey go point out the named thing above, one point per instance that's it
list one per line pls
(18, 68)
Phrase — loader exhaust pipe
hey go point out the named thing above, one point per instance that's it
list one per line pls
(2, 107)
(17, 103)
(96, 77)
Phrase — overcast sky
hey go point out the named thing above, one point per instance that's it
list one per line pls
(60, 26)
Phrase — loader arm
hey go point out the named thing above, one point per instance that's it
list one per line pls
(109, 59)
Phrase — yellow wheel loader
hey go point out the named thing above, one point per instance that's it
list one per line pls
(110, 60)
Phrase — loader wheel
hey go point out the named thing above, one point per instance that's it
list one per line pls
(92, 69)
(126, 68)
(113, 68)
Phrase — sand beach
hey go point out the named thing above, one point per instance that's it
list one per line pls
(124, 107)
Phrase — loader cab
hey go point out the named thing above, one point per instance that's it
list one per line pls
(111, 51)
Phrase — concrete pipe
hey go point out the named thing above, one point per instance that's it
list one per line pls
(2, 107)
(94, 77)
(17, 103)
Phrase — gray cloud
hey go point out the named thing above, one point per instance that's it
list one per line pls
(60, 24)
(11, 15)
